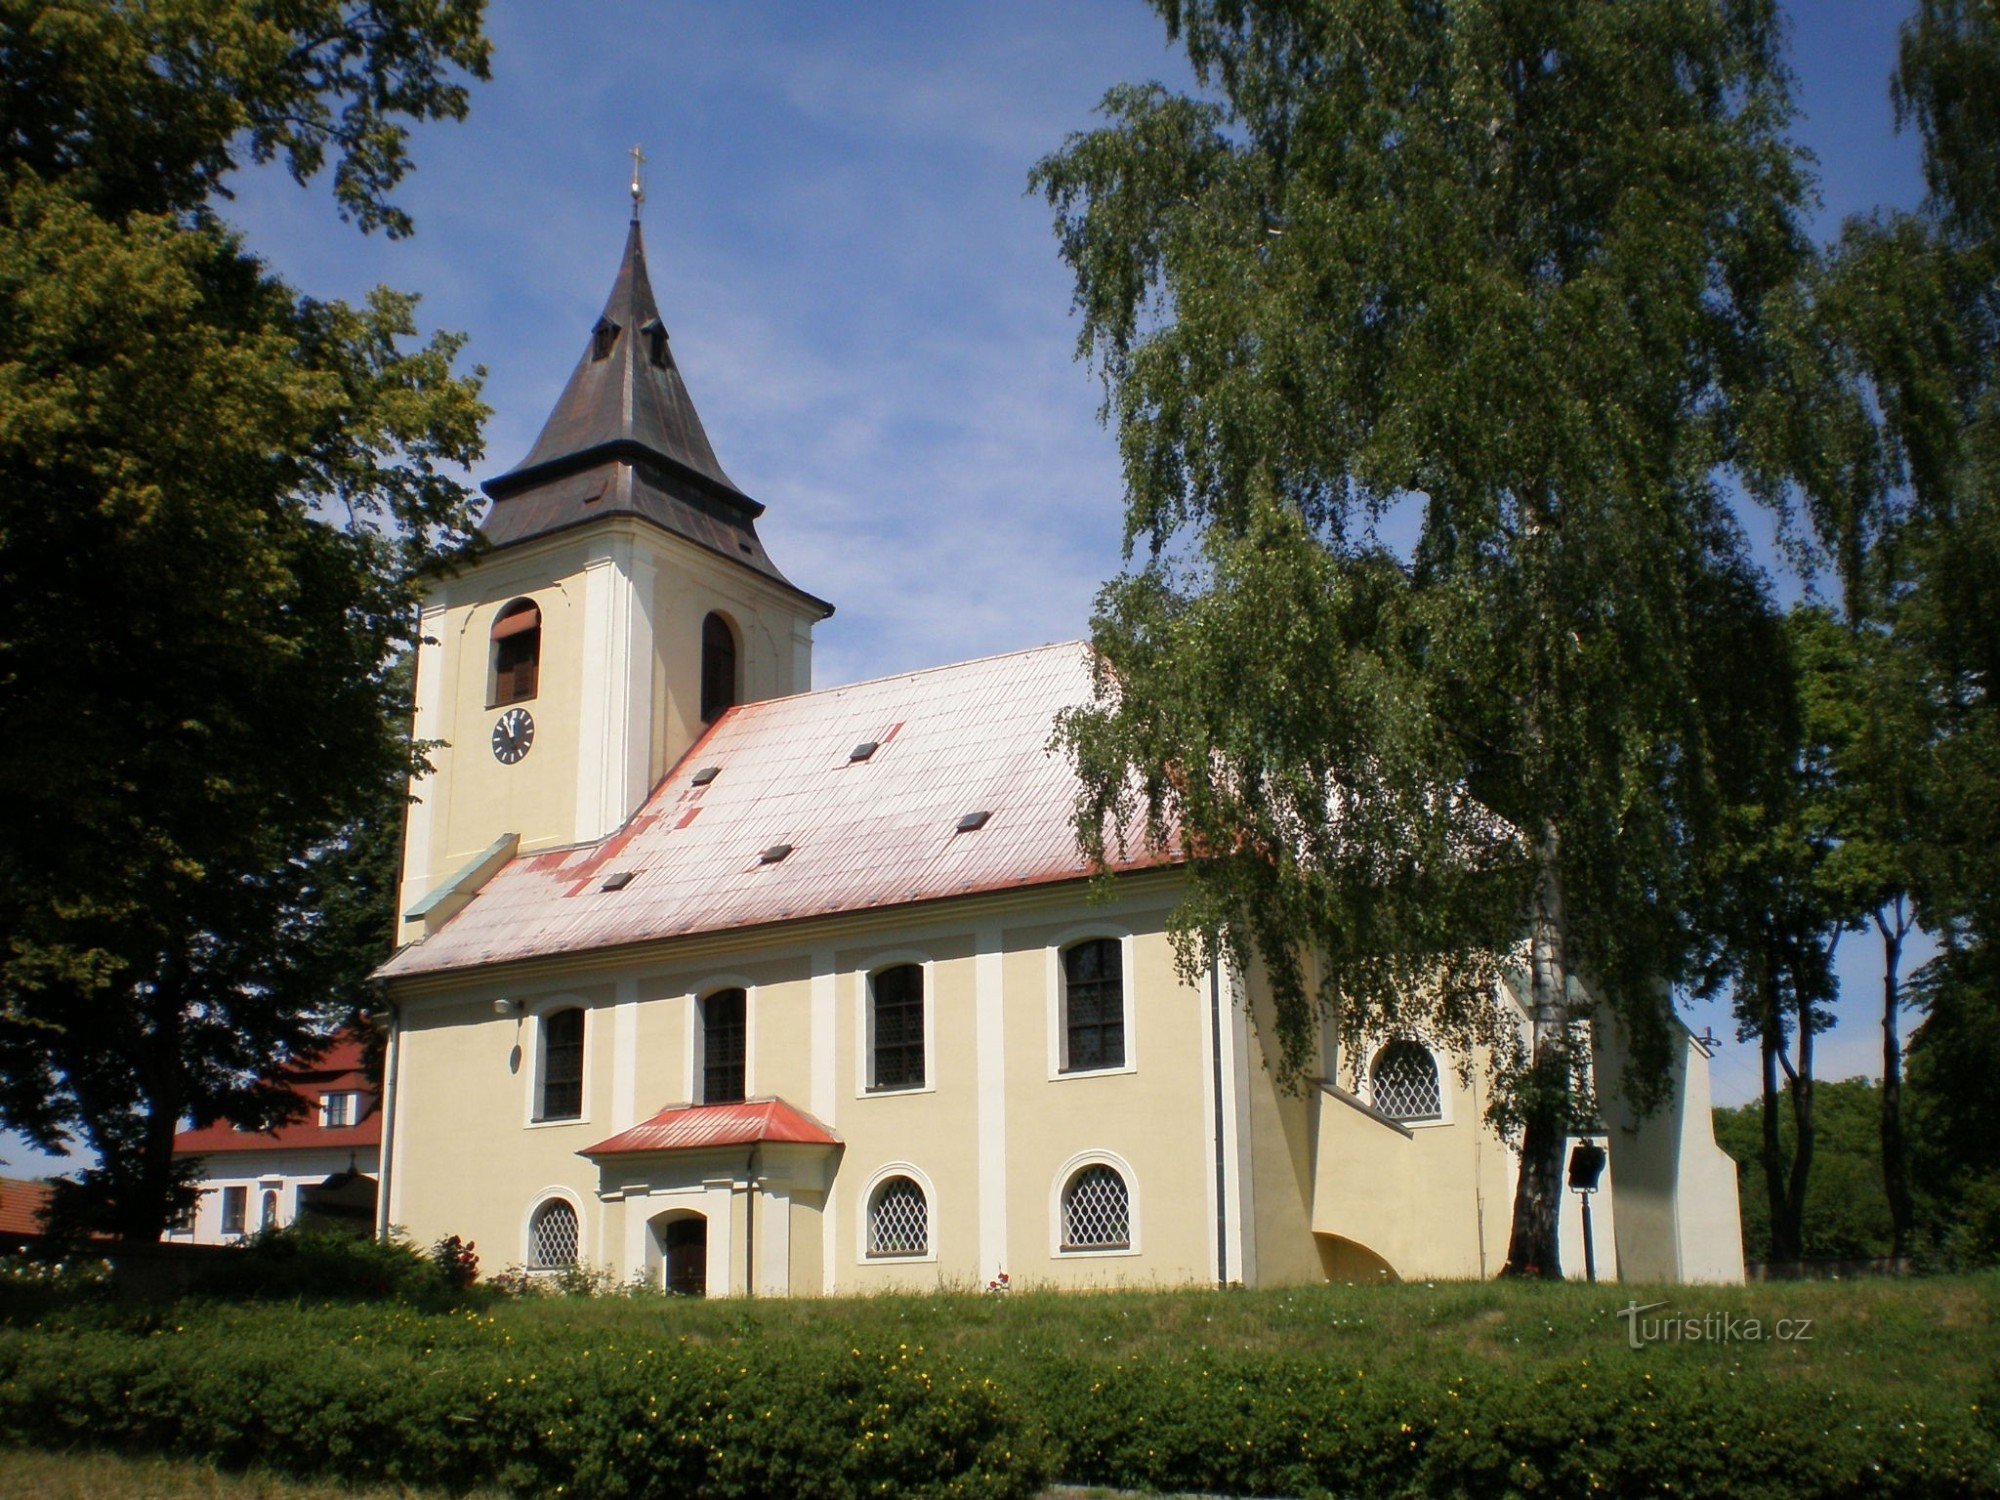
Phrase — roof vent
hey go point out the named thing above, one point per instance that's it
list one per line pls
(973, 821)
(705, 775)
(602, 337)
(656, 341)
(863, 750)
(773, 854)
(617, 882)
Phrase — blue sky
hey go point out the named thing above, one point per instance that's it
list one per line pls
(868, 308)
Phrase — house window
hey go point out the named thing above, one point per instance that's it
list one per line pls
(339, 1110)
(899, 1219)
(517, 653)
(1093, 1006)
(268, 1218)
(235, 1209)
(718, 668)
(552, 1237)
(1404, 1082)
(725, 1046)
(896, 1025)
(1096, 1210)
(562, 1065)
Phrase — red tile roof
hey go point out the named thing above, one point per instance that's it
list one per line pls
(689, 1127)
(862, 834)
(22, 1204)
(339, 1069)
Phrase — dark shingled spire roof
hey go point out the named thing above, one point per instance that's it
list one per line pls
(624, 439)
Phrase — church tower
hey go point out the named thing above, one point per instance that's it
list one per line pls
(622, 601)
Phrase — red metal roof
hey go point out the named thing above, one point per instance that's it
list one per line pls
(690, 1127)
(339, 1069)
(878, 832)
(22, 1204)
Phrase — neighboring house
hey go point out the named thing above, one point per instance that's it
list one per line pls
(324, 1163)
(23, 1206)
(718, 982)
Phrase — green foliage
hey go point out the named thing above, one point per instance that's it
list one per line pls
(315, 1264)
(1454, 1389)
(1846, 1210)
(1503, 268)
(215, 495)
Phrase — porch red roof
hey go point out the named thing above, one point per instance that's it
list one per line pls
(690, 1127)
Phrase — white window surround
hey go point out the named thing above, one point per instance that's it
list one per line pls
(694, 1033)
(1365, 1084)
(1058, 1015)
(536, 1202)
(530, 1019)
(339, 1110)
(1064, 1174)
(864, 1024)
(865, 1211)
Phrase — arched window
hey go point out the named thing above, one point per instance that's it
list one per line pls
(1096, 1210)
(517, 652)
(1093, 1006)
(718, 668)
(552, 1236)
(896, 1028)
(562, 1065)
(268, 1219)
(1404, 1081)
(899, 1221)
(725, 1038)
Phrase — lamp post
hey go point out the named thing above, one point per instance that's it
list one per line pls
(1586, 1165)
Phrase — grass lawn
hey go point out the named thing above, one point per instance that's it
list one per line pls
(26, 1475)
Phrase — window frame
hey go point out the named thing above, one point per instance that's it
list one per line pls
(1056, 983)
(1374, 1051)
(537, 1202)
(864, 1024)
(698, 1074)
(1068, 1173)
(349, 1106)
(535, 1060)
(865, 1215)
(496, 697)
(238, 1195)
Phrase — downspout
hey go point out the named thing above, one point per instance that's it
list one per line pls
(1215, 1066)
(383, 1169)
(750, 1224)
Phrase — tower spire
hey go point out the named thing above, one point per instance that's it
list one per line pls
(638, 182)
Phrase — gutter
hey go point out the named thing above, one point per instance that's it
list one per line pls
(393, 1057)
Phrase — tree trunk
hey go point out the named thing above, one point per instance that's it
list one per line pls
(1771, 1045)
(1802, 1131)
(1532, 1246)
(1895, 1176)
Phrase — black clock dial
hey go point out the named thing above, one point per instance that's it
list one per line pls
(513, 735)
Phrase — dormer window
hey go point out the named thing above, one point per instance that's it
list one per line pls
(602, 337)
(718, 668)
(517, 653)
(656, 342)
(338, 1111)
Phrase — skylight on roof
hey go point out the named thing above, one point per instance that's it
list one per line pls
(773, 854)
(617, 882)
(705, 775)
(863, 750)
(973, 821)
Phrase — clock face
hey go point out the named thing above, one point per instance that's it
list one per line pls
(513, 735)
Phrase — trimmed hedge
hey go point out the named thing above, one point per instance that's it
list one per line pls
(392, 1396)
(638, 1398)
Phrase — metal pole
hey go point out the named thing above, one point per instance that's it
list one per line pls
(1589, 1250)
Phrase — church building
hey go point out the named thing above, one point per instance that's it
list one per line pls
(714, 981)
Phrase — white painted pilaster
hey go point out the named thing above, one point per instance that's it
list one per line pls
(625, 1056)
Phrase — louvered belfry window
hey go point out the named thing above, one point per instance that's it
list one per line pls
(725, 1036)
(718, 668)
(898, 1025)
(899, 1219)
(517, 652)
(562, 1065)
(1097, 1210)
(1093, 1006)
(1405, 1080)
(552, 1236)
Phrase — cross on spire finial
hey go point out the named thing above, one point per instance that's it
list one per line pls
(638, 184)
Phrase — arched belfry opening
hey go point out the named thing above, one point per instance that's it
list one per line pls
(721, 671)
(517, 653)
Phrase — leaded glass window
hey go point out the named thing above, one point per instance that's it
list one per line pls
(1405, 1079)
(898, 1028)
(552, 1237)
(1093, 1006)
(725, 1046)
(1097, 1210)
(562, 1065)
(899, 1219)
